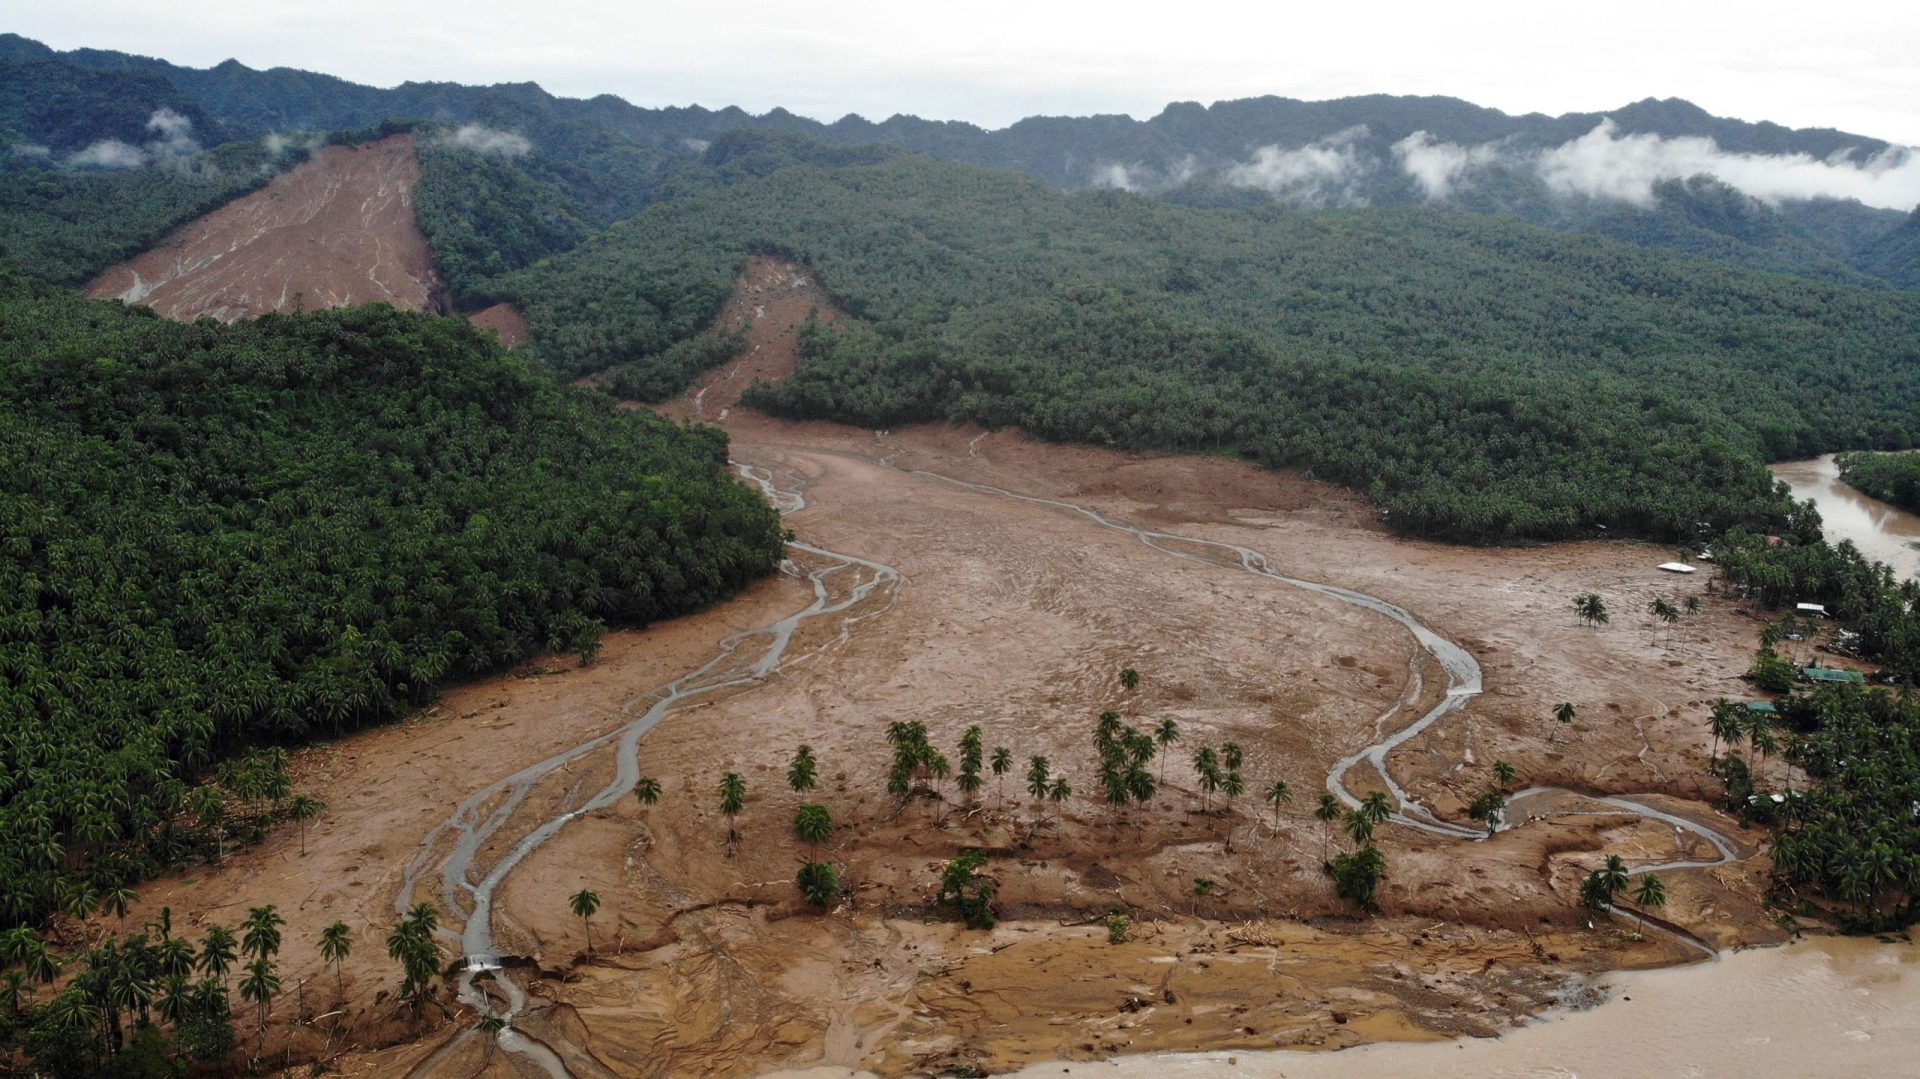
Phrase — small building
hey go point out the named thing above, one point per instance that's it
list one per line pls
(1677, 567)
(1765, 708)
(1831, 674)
(1811, 609)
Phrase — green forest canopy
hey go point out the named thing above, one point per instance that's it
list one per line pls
(1482, 379)
(222, 536)
(1889, 477)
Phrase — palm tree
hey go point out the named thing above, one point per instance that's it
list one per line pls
(335, 945)
(1206, 763)
(1278, 794)
(1666, 613)
(1375, 807)
(1038, 774)
(117, 899)
(584, 904)
(1129, 679)
(1002, 763)
(813, 824)
(1232, 756)
(303, 809)
(1725, 725)
(802, 774)
(258, 987)
(1504, 772)
(1652, 892)
(1359, 826)
(260, 936)
(819, 883)
(1060, 791)
(1613, 875)
(217, 952)
(1233, 786)
(1166, 734)
(1326, 812)
(646, 790)
(1564, 714)
(733, 798)
(489, 1026)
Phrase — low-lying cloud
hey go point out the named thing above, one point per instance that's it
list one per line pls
(1606, 164)
(172, 139)
(1438, 167)
(1602, 164)
(482, 139)
(1325, 171)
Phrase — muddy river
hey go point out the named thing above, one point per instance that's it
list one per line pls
(1882, 532)
(1818, 1007)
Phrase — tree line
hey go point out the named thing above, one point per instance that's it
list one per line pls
(224, 538)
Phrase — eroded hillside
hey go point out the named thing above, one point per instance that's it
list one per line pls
(337, 230)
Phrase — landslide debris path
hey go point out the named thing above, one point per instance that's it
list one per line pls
(1463, 684)
(847, 588)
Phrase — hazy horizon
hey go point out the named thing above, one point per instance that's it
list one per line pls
(1849, 71)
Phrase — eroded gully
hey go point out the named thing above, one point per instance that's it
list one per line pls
(850, 589)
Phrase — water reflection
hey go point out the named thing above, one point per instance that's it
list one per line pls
(1882, 532)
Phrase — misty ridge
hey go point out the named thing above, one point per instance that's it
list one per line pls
(1661, 173)
(1352, 167)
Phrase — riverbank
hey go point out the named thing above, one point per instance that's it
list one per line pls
(1883, 532)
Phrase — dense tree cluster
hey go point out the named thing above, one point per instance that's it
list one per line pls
(1889, 477)
(1852, 835)
(1483, 380)
(219, 536)
(66, 225)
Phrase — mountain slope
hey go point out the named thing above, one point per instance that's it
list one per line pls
(336, 230)
(1376, 150)
(1482, 378)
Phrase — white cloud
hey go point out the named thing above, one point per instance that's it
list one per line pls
(109, 154)
(1438, 167)
(1319, 173)
(1115, 176)
(173, 135)
(1606, 164)
(29, 149)
(482, 139)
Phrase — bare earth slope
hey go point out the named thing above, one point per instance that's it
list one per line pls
(336, 230)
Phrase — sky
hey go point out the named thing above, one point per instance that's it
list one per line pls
(1844, 63)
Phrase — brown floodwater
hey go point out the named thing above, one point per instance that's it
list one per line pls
(1882, 532)
(1817, 1007)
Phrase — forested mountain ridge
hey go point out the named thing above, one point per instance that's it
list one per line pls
(1375, 150)
(1483, 379)
(227, 536)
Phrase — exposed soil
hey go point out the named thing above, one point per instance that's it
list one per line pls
(1018, 616)
(769, 303)
(504, 320)
(336, 230)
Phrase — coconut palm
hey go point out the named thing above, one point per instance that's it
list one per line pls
(1232, 756)
(1564, 714)
(1277, 795)
(1166, 734)
(1725, 725)
(1375, 807)
(1613, 875)
(1359, 826)
(1129, 678)
(302, 809)
(1652, 891)
(733, 798)
(813, 824)
(1326, 812)
(1206, 764)
(802, 774)
(1504, 772)
(584, 904)
(489, 1026)
(1002, 763)
(819, 884)
(336, 943)
(646, 790)
(217, 952)
(258, 987)
(260, 933)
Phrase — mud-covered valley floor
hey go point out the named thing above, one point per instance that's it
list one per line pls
(1017, 616)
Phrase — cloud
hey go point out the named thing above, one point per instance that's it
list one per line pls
(482, 139)
(1326, 171)
(29, 149)
(1115, 176)
(109, 154)
(1439, 167)
(276, 144)
(698, 146)
(173, 140)
(1606, 164)
(173, 135)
